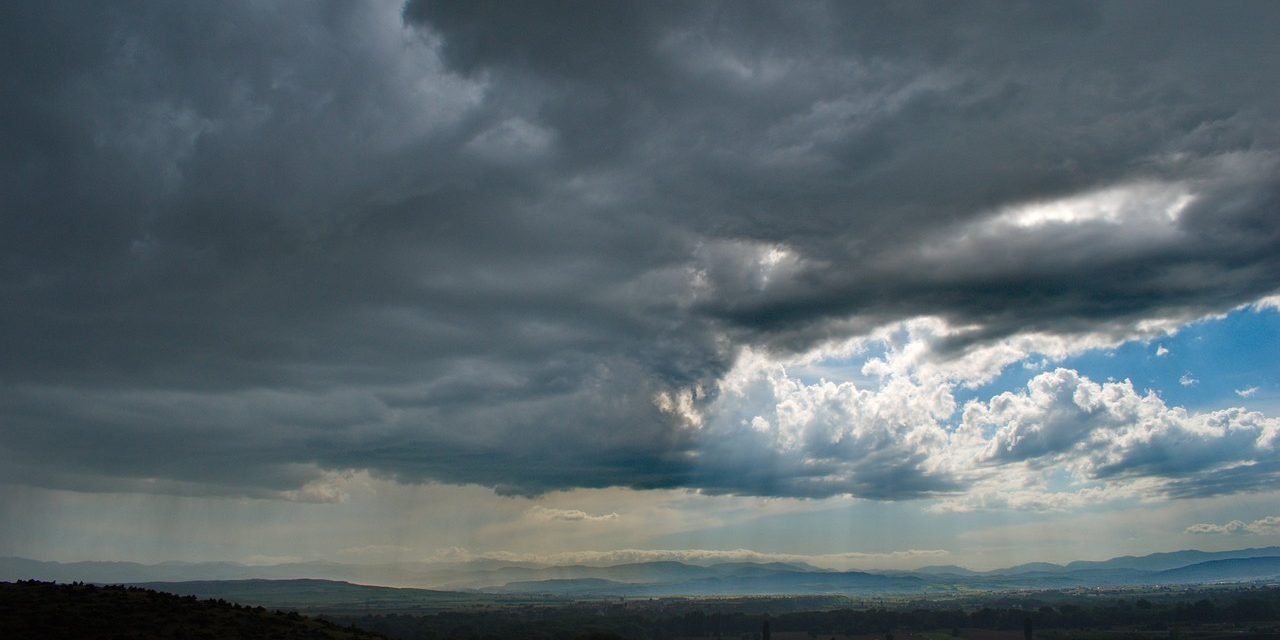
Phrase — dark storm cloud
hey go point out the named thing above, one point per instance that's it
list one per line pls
(472, 242)
(852, 133)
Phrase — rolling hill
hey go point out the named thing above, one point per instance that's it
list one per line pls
(41, 610)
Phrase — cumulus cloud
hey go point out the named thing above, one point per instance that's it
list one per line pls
(569, 515)
(1161, 351)
(248, 249)
(1187, 381)
(375, 552)
(1268, 526)
(1111, 432)
(1247, 392)
(260, 560)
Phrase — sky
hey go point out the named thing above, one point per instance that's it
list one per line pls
(871, 285)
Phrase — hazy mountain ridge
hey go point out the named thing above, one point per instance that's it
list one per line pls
(1226, 570)
(675, 578)
(780, 582)
(1151, 562)
(419, 575)
(944, 569)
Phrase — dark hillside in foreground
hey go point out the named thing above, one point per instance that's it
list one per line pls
(43, 610)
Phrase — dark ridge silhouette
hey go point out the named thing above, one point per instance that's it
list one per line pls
(50, 611)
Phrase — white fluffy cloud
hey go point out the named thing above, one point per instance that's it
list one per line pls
(1267, 526)
(810, 438)
(569, 515)
(1112, 432)
(891, 428)
(261, 560)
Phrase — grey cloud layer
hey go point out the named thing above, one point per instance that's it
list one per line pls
(472, 242)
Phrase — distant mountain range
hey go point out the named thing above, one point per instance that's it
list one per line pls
(1152, 562)
(492, 579)
(741, 581)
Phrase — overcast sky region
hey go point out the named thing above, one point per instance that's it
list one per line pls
(876, 284)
